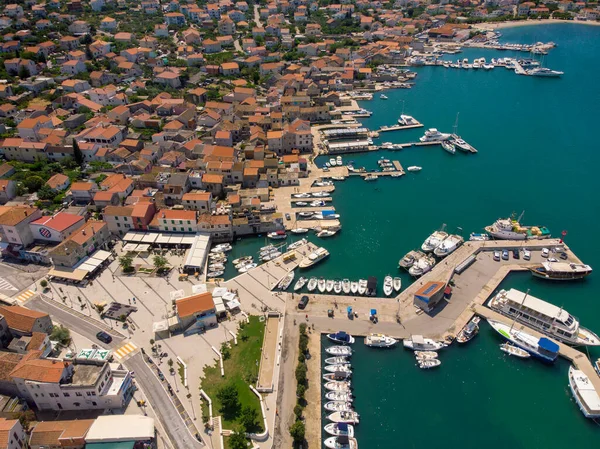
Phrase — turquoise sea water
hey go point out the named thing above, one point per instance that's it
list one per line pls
(538, 153)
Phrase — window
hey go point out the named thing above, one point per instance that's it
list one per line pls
(78, 394)
(66, 395)
(76, 404)
(93, 403)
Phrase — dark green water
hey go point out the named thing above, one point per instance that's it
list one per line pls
(538, 153)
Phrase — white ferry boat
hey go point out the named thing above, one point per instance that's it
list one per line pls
(561, 271)
(543, 317)
(510, 229)
(585, 394)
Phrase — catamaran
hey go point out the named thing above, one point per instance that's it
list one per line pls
(511, 229)
(542, 316)
(541, 348)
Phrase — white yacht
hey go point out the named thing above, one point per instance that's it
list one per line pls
(585, 394)
(397, 284)
(297, 244)
(339, 351)
(542, 316)
(333, 162)
(344, 417)
(354, 287)
(388, 285)
(337, 286)
(511, 229)
(312, 284)
(433, 135)
(379, 341)
(316, 256)
(428, 363)
(322, 284)
(247, 267)
(339, 162)
(543, 71)
(434, 240)
(414, 168)
(329, 283)
(341, 442)
(422, 266)
(277, 235)
(407, 120)
(461, 144)
(449, 245)
(339, 385)
(340, 429)
(341, 337)
(418, 343)
(337, 360)
(327, 233)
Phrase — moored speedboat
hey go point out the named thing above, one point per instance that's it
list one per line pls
(380, 341)
(418, 343)
(410, 258)
(337, 406)
(341, 337)
(397, 283)
(428, 363)
(286, 281)
(448, 146)
(343, 386)
(345, 351)
(301, 195)
(336, 376)
(477, 237)
(341, 368)
(297, 244)
(448, 245)
(422, 266)
(242, 259)
(362, 286)
(467, 333)
(326, 233)
(414, 168)
(346, 286)
(322, 284)
(388, 285)
(312, 284)
(514, 350)
(426, 355)
(277, 235)
(337, 286)
(433, 135)
(341, 442)
(299, 230)
(245, 268)
(541, 348)
(313, 258)
(338, 429)
(300, 283)
(214, 274)
(434, 240)
(339, 396)
(344, 417)
(306, 214)
(329, 284)
(337, 360)
(354, 287)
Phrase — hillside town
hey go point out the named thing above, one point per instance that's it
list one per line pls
(137, 135)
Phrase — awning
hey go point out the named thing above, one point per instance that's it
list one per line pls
(548, 345)
(188, 239)
(163, 238)
(233, 305)
(149, 237)
(199, 288)
(373, 312)
(137, 237)
(175, 239)
(219, 291)
(68, 273)
(87, 267)
(130, 247)
(130, 236)
(101, 255)
(142, 248)
(112, 445)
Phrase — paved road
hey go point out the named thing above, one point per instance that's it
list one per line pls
(257, 15)
(168, 415)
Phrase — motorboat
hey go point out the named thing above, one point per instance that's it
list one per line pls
(354, 287)
(301, 195)
(286, 281)
(433, 135)
(332, 162)
(322, 285)
(336, 376)
(339, 161)
(342, 368)
(345, 351)
(542, 316)
(346, 286)
(426, 355)
(511, 229)
(343, 386)
(406, 120)
(514, 350)
(467, 333)
(338, 406)
(216, 267)
(247, 267)
(383, 97)
(388, 285)
(414, 168)
(461, 144)
(221, 248)
(397, 284)
(312, 284)
(362, 286)
(269, 247)
(371, 177)
(270, 256)
(338, 178)
(300, 283)
(434, 240)
(448, 245)
(561, 271)
(542, 348)
(299, 231)
(419, 343)
(410, 258)
(300, 203)
(317, 203)
(314, 257)
(329, 284)
(380, 341)
(305, 214)
(297, 244)
(344, 417)
(214, 274)
(337, 360)
(341, 337)
(337, 287)
(326, 233)
(585, 393)
(448, 146)
(478, 237)
(277, 235)
(321, 194)
(429, 363)
(597, 366)
(242, 260)
(545, 72)
(339, 429)
(422, 266)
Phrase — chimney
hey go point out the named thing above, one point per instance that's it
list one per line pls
(83, 232)
(93, 231)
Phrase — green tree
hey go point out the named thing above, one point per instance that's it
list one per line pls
(160, 262)
(24, 72)
(297, 431)
(238, 440)
(33, 183)
(60, 334)
(25, 418)
(228, 396)
(301, 373)
(126, 263)
(249, 418)
(77, 154)
(46, 193)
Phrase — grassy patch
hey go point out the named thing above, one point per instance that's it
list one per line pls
(181, 371)
(241, 370)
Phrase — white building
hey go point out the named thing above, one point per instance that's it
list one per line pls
(56, 228)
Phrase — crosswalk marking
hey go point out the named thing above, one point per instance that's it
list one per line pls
(125, 349)
(5, 285)
(25, 295)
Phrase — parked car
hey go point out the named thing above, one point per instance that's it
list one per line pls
(563, 256)
(496, 255)
(526, 254)
(545, 252)
(104, 337)
(303, 302)
(515, 254)
(287, 216)
(505, 254)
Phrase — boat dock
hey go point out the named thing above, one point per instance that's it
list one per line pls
(399, 171)
(399, 127)
(471, 147)
(578, 358)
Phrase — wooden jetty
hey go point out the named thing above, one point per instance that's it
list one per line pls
(399, 127)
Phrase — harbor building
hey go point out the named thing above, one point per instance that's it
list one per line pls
(429, 295)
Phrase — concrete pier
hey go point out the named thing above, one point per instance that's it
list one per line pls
(399, 127)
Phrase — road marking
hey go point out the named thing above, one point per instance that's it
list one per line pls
(5, 285)
(125, 350)
(26, 295)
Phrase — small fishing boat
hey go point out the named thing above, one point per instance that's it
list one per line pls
(342, 368)
(301, 195)
(514, 350)
(354, 287)
(383, 97)
(301, 203)
(214, 274)
(341, 337)
(329, 285)
(277, 235)
(388, 285)
(335, 406)
(345, 351)
(286, 281)
(247, 267)
(337, 360)
(418, 343)
(477, 237)
(242, 259)
(414, 168)
(299, 231)
(467, 333)
(380, 341)
(322, 284)
(340, 429)
(270, 256)
(429, 363)
(397, 283)
(312, 284)
(336, 376)
(362, 286)
(448, 146)
(300, 283)
(339, 396)
(337, 287)
(344, 417)
(426, 355)
(343, 386)
(305, 214)
(216, 267)
(346, 286)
